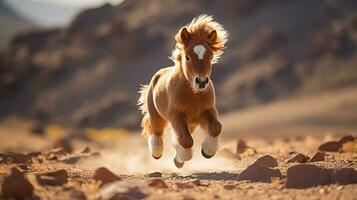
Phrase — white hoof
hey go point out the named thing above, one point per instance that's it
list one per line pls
(183, 154)
(156, 146)
(210, 146)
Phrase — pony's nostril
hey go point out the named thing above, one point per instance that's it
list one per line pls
(197, 80)
(206, 80)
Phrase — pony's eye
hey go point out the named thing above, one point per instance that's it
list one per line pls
(187, 58)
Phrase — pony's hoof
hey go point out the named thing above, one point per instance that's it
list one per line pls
(156, 157)
(205, 155)
(178, 164)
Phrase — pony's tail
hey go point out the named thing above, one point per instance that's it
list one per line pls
(142, 103)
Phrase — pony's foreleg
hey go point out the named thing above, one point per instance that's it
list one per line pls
(213, 128)
(183, 141)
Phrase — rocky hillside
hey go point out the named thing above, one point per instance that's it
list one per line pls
(88, 73)
(11, 23)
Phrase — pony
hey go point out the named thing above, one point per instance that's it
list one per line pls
(183, 95)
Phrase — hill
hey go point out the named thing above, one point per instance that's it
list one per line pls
(87, 74)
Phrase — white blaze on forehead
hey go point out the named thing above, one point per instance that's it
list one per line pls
(200, 51)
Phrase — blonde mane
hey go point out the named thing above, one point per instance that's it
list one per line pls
(199, 28)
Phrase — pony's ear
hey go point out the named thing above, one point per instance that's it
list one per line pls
(212, 36)
(184, 35)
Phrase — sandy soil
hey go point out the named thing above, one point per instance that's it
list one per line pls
(299, 126)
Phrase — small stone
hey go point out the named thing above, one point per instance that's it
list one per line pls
(259, 173)
(155, 174)
(86, 150)
(105, 176)
(23, 167)
(55, 177)
(266, 161)
(330, 146)
(157, 183)
(319, 156)
(65, 144)
(348, 138)
(229, 186)
(300, 158)
(243, 148)
(16, 185)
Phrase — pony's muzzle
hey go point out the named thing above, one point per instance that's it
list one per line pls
(201, 84)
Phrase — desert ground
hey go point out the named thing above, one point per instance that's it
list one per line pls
(262, 155)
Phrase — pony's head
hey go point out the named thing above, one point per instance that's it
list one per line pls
(199, 45)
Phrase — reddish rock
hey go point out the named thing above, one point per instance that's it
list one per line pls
(57, 177)
(330, 146)
(229, 186)
(300, 158)
(16, 185)
(304, 176)
(155, 174)
(259, 173)
(348, 138)
(266, 161)
(157, 183)
(335, 146)
(344, 176)
(319, 156)
(105, 176)
(65, 144)
(86, 150)
(242, 147)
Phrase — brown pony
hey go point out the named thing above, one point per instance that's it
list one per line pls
(183, 95)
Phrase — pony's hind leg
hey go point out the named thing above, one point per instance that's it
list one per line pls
(157, 123)
(213, 128)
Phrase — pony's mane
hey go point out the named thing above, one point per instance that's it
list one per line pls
(199, 28)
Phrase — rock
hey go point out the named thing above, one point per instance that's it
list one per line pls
(330, 146)
(105, 176)
(344, 176)
(155, 174)
(348, 138)
(242, 147)
(65, 144)
(335, 146)
(118, 191)
(86, 150)
(56, 177)
(16, 185)
(229, 186)
(259, 173)
(266, 161)
(157, 183)
(226, 153)
(304, 176)
(300, 158)
(319, 156)
(57, 151)
(23, 167)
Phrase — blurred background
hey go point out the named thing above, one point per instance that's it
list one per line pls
(290, 66)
